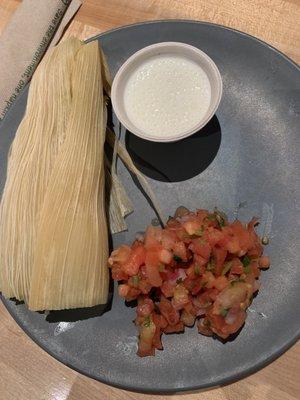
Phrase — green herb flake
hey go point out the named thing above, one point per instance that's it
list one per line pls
(135, 280)
(177, 258)
(161, 267)
(246, 261)
(211, 265)
(197, 269)
(247, 269)
(237, 281)
(226, 267)
(220, 217)
(224, 312)
(211, 217)
(199, 232)
(147, 322)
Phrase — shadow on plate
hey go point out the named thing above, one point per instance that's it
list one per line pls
(79, 314)
(177, 161)
(75, 314)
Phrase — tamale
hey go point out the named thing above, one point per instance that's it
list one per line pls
(30, 164)
(71, 250)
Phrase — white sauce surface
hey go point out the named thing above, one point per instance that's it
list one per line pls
(166, 95)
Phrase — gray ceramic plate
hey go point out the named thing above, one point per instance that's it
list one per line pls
(248, 155)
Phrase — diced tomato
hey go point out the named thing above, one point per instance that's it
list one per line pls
(180, 250)
(201, 247)
(123, 290)
(193, 226)
(152, 265)
(160, 321)
(201, 214)
(118, 274)
(187, 318)
(153, 275)
(255, 251)
(254, 269)
(194, 269)
(203, 326)
(214, 236)
(244, 238)
(208, 280)
(264, 262)
(199, 260)
(145, 307)
(236, 266)
(144, 286)
(179, 327)
(168, 239)
(152, 236)
(168, 311)
(223, 329)
(219, 255)
(147, 332)
(220, 283)
(180, 297)
(120, 255)
(233, 245)
(193, 285)
(156, 341)
(167, 288)
(134, 261)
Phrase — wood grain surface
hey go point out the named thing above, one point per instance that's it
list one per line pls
(26, 371)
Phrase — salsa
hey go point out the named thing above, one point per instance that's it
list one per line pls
(200, 269)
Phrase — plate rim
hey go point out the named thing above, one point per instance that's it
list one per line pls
(169, 390)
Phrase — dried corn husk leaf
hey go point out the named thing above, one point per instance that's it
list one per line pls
(125, 157)
(30, 164)
(70, 266)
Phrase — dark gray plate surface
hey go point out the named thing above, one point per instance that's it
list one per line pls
(253, 148)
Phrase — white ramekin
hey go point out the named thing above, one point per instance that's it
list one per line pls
(170, 48)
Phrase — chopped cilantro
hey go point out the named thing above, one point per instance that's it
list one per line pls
(211, 265)
(220, 217)
(224, 312)
(147, 322)
(135, 280)
(237, 281)
(226, 267)
(246, 263)
(211, 217)
(161, 267)
(199, 232)
(177, 258)
(197, 269)
(247, 269)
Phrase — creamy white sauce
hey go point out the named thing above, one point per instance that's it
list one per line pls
(166, 95)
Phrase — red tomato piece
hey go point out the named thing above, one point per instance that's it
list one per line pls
(264, 262)
(219, 255)
(168, 311)
(180, 250)
(179, 327)
(201, 247)
(152, 263)
(134, 261)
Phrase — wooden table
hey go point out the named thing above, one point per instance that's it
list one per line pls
(26, 371)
